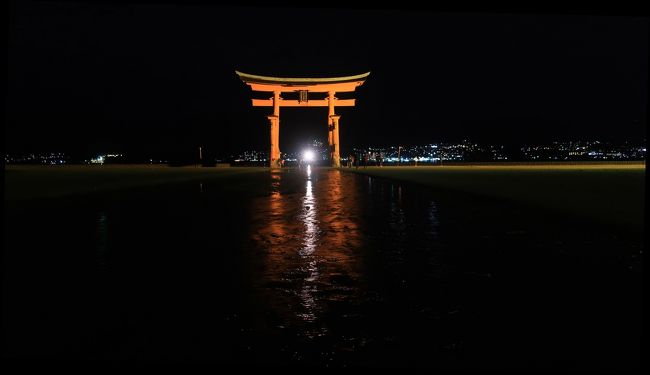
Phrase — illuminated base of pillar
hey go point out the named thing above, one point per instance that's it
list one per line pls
(275, 164)
(336, 162)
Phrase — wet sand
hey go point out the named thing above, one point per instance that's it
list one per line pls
(331, 269)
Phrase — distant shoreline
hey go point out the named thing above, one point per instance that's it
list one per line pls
(580, 162)
(392, 164)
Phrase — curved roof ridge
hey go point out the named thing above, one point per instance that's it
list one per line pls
(255, 78)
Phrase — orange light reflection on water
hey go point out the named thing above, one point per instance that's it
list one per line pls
(309, 241)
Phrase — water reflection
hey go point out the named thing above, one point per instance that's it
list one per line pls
(276, 229)
(309, 241)
(102, 240)
(397, 218)
(343, 215)
(275, 183)
(309, 237)
(433, 219)
(393, 277)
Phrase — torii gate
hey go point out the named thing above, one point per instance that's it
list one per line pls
(303, 86)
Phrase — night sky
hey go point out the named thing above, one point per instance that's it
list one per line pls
(158, 79)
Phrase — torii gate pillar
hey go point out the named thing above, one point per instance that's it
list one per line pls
(275, 132)
(275, 141)
(335, 153)
(333, 131)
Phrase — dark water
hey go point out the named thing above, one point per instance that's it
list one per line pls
(332, 270)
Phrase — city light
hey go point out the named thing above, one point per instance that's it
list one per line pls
(308, 155)
(316, 152)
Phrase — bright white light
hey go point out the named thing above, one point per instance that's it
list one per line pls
(308, 155)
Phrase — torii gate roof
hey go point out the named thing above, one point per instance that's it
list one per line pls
(337, 84)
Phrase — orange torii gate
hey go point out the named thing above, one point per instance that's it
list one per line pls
(303, 86)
